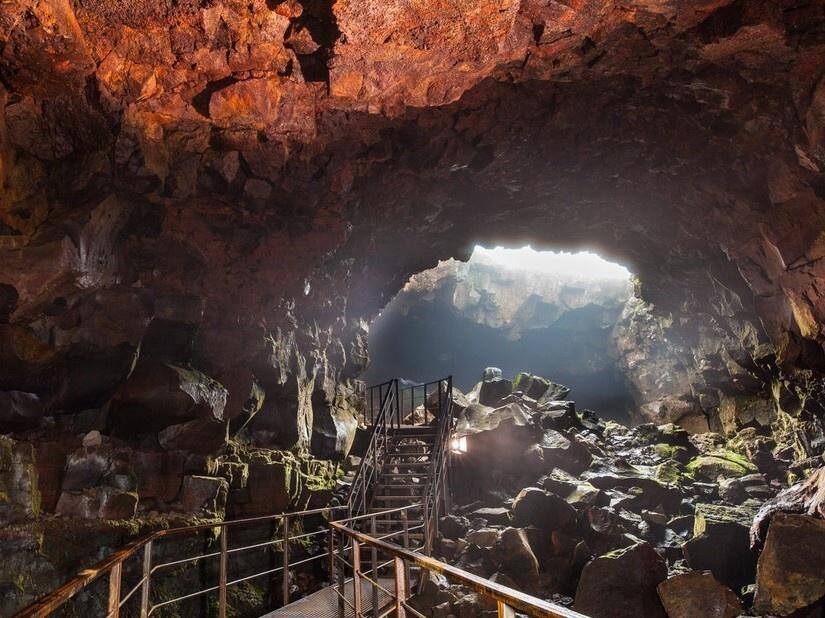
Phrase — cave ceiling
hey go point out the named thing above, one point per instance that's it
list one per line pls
(248, 167)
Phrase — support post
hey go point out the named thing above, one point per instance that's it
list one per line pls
(374, 558)
(222, 572)
(356, 578)
(400, 587)
(147, 575)
(505, 611)
(114, 590)
(285, 553)
(342, 575)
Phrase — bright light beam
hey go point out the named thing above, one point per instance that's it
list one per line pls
(582, 264)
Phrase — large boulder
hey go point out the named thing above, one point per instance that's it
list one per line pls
(791, 571)
(720, 544)
(720, 463)
(536, 507)
(695, 594)
(158, 395)
(19, 411)
(493, 391)
(807, 497)
(516, 556)
(622, 584)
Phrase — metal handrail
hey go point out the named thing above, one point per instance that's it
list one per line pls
(113, 566)
(508, 599)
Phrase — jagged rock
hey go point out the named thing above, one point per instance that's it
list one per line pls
(485, 537)
(720, 544)
(159, 474)
(158, 395)
(19, 411)
(531, 385)
(517, 557)
(720, 463)
(564, 452)
(494, 515)
(622, 584)
(203, 495)
(453, 526)
(807, 497)
(535, 507)
(202, 436)
(695, 594)
(492, 392)
(98, 503)
(19, 495)
(791, 565)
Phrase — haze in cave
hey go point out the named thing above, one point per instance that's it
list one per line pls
(242, 251)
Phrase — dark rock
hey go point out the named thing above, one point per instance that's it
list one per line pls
(493, 391)
(622, 584)
(691, 595)
(159, 474)
(204, 496)
(517, 557)
(791, 572)
(453, 526)
(97, 503)
(721, 545)
(565, 452)
(19, 496)
(494, 515)
(203, 436)
(19, 411)
(536, 507)
(532, 386)
(158, 395)
(806, 497)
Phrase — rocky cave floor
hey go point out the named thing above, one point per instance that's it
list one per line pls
(619, 522)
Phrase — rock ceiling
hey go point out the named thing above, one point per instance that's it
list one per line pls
(240, 186)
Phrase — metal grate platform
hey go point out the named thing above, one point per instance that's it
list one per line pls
(324, 603)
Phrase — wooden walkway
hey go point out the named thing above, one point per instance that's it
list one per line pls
(324, 603)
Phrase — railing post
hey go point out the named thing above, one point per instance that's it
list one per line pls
(374, 558)
(505, 611)
(114, 590)
(342, 575)
(397, 405)
(285, 553)
(356, 578)
(147, 575)
(400, 587)
(222, 572)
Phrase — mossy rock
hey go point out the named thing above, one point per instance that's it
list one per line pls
(720, 463)
(669, 473)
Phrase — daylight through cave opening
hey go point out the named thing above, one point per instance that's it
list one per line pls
(561, 315)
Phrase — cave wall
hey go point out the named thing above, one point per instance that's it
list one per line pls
(203, 204)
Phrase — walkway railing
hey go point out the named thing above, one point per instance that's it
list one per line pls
(372, 562)
(137, 563)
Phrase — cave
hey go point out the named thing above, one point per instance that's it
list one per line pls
(208, 209)
(560, 315)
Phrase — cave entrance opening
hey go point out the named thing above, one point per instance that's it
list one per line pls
(552, 314)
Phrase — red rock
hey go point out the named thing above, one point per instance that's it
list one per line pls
(203, 495)
(698, 594)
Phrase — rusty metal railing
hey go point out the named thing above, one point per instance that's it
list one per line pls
(143, 550)
(386, 573)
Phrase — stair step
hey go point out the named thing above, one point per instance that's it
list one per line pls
(410, 464)
(410, 475)
(394, 498)
(402, 486)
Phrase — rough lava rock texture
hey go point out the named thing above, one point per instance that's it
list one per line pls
(235, 189)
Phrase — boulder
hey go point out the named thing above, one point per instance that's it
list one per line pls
(690, 595)
(536, 507)
(158, 395)
(202, 436)
(720, 544)
(807, 497)
(622, 584)
(791, 571)
(159, 474)
(493, 391)
(532, 386)
(720, 463)
(516, 557)
(493, 515)
(485, 537)
(19, 411)
(564, 451)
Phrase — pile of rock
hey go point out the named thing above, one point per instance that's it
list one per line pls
(618, 522)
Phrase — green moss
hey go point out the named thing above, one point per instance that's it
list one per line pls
(720, 463)
(669, 473)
